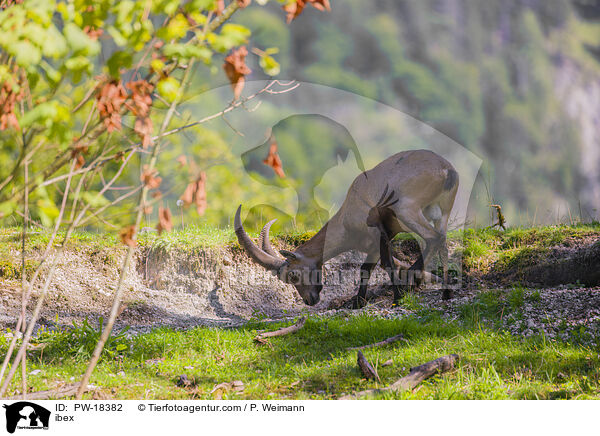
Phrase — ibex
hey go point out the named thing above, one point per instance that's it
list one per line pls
(412, 191)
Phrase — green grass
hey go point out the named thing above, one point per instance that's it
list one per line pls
(314, 363)
(517, 247)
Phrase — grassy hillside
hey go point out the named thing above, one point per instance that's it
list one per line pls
(514, 342)
(314, 362)
(481, 250)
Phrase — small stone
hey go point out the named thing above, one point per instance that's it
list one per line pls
(183, 381)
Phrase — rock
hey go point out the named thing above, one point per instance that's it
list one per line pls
(183, 381)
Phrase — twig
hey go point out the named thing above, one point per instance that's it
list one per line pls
(366, 368)
(23, 278)
(120, 287)
(281, 332)
(228, 109)
(63, 391)
(27, 336)
(387, 341)
(414, 377)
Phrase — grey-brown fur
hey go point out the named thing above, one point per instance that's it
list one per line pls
(411, 191)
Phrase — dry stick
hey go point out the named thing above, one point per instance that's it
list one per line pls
(282, 332)
(35, 275)
(26, 338)
(119, 292)
(387, 341)
(34, 317)
(23, 279)
(414, 377)
(18, 164)
(63, 391)
(73, 224)
(366, 368)
(231, 107)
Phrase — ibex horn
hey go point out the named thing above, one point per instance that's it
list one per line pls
(264, 259)
(263, 240)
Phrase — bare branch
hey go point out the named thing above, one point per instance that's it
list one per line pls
(281, 332)
(119, 291)
(366, 368)
(414, 377)
(387, 341)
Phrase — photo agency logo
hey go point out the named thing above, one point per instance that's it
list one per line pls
(353, 171)
(25, 415)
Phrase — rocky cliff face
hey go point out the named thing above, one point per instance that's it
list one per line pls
(580, 94)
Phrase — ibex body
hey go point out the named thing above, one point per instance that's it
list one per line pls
(412, 191)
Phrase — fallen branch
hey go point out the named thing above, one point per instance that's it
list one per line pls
(64, 391)
(366, 368)
(414, 377)
(387, 341)
(281, 332)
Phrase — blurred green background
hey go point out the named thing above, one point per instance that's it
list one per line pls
(516, 82)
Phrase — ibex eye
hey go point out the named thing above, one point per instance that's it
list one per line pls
(294, 278)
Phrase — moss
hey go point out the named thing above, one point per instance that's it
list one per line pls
(520, 258)
(12, 270)
(296, 239)
(8, 270)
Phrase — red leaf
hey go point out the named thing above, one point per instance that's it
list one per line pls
(195, 193)
(219, 6)
(273, 159)
(200, 198)
(236, 70)
(149, 178)
(295, 8)
(182, 160)
(322, 5)
(9, 98)
(164, 220)
(80, 162)
(110, 97)
(126, 235)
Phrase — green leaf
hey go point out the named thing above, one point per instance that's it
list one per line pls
(52, 74)
(78, 63)
(7, 208)
(47, 211)
(187, 51)
(119, 59)
(93, 199)
(232, 35)
(39, 114)
(79, 41)
(168, 88)
(269, 65)
(119, 39)
(157, 65)
(26, 53)
(176, 29)
(54, 44)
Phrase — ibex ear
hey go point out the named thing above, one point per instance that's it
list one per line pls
(288, 254)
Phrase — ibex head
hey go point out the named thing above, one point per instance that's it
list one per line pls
(295, 268)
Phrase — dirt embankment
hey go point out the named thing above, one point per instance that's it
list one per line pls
(180, 288)
(221, 286)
